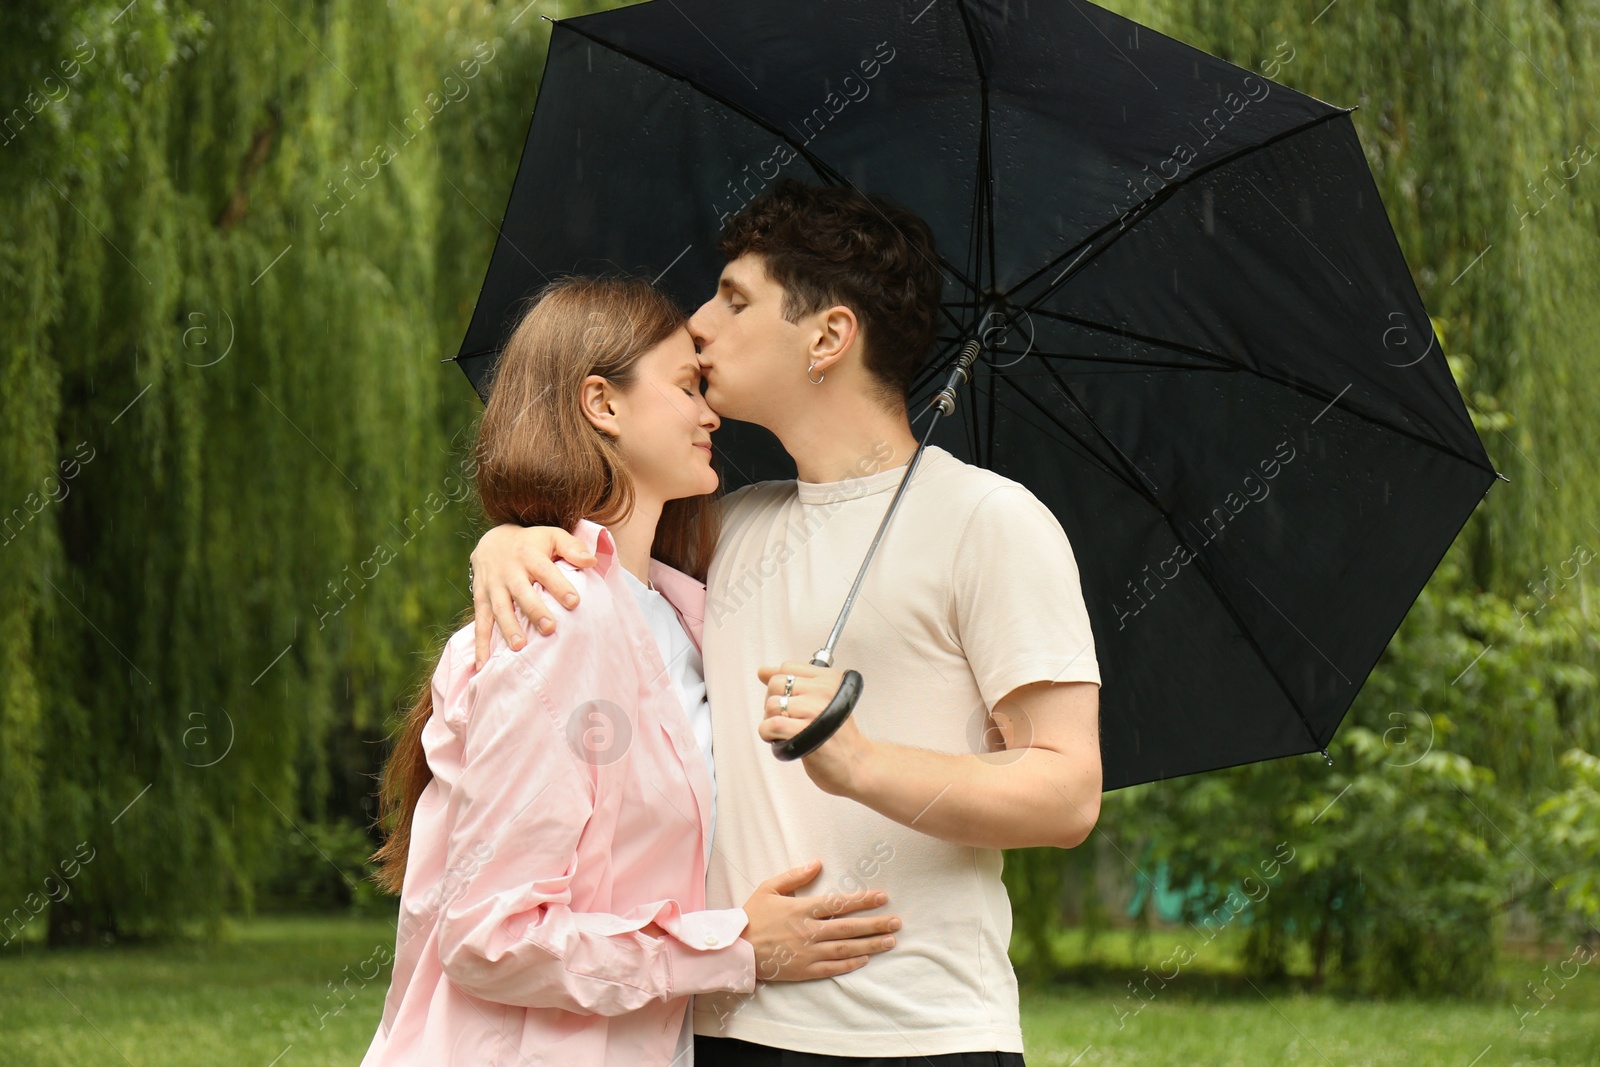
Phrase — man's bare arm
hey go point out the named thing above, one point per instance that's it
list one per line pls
(1042, 789)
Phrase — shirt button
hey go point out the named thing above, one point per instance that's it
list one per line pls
(711, 941)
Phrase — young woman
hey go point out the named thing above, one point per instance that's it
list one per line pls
(552, 812)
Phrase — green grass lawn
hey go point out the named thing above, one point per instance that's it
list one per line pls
(263, 997)
(1211, 1014)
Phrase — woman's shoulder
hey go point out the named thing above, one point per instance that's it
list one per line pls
(592, 618)
(550, 665)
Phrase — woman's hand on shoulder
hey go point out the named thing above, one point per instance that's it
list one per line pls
(506, 563)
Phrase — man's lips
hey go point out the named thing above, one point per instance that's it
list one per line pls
(705, 445)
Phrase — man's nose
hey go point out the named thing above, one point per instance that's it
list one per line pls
(697, 332)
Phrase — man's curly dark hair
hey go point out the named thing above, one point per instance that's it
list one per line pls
(828, 246)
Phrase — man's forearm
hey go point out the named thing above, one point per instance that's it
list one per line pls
(1012, 799)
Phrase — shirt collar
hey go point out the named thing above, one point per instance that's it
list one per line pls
(597, 539)
(684, 592)
(675, 585)
(870, 481)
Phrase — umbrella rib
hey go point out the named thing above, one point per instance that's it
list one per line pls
(1121, 331)
(980, 239)
(975, 245)
(985, 142)
(1145, 207)
(1304, 389)
(1222, 598)
(1150, 499)
(1201, 561)
(972, 41)
(1073, 400)
(1153, 364)
(821, 167)
(1055, 420)
(816, 162)
(953, 320)
(974, 252)
(983, 226)
(932, 368)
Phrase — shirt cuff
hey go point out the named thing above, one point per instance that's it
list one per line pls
(707, 955)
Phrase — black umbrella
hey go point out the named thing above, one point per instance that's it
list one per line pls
(1201, 346)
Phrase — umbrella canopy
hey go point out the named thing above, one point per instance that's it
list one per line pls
(1203, 348)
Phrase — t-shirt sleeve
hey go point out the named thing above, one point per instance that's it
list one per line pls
(1018, 608)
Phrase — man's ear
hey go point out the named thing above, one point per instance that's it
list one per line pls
(598, 400)
(837, 333)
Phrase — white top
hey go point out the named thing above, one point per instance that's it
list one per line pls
(974, 592)
(688, 678)
(687, 671)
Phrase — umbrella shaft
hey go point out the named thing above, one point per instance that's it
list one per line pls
(944, 403)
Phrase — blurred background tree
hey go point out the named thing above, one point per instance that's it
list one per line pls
(237, 241)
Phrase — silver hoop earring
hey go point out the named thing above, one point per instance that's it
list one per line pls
(814, 381)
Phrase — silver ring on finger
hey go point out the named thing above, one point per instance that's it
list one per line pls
(788, 685)
(783, 704)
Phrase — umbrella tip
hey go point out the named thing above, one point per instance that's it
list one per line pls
(1502, 477)
(1326, 756)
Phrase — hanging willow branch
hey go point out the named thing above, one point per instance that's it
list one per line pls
(254, 159)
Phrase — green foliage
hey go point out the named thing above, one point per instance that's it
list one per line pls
(1570, 821)
(1382, 873)
(1392, 869)
(1049, 888)
(232, 456)
(324, 868)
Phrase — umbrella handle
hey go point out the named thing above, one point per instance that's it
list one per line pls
(824, 725)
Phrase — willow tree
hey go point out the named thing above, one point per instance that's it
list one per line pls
(237, 241)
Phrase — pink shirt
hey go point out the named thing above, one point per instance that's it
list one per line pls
(569, 808)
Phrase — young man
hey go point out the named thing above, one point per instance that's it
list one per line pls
(978, 727)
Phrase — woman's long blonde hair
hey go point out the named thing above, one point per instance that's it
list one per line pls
(540, 462)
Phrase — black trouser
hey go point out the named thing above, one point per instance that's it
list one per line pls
(731, 1052)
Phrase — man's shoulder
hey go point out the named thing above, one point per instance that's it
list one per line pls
(961, 488)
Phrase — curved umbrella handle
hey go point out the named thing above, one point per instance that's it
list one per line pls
(825, 725)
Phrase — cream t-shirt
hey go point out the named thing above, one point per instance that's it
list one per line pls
(973, 593)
